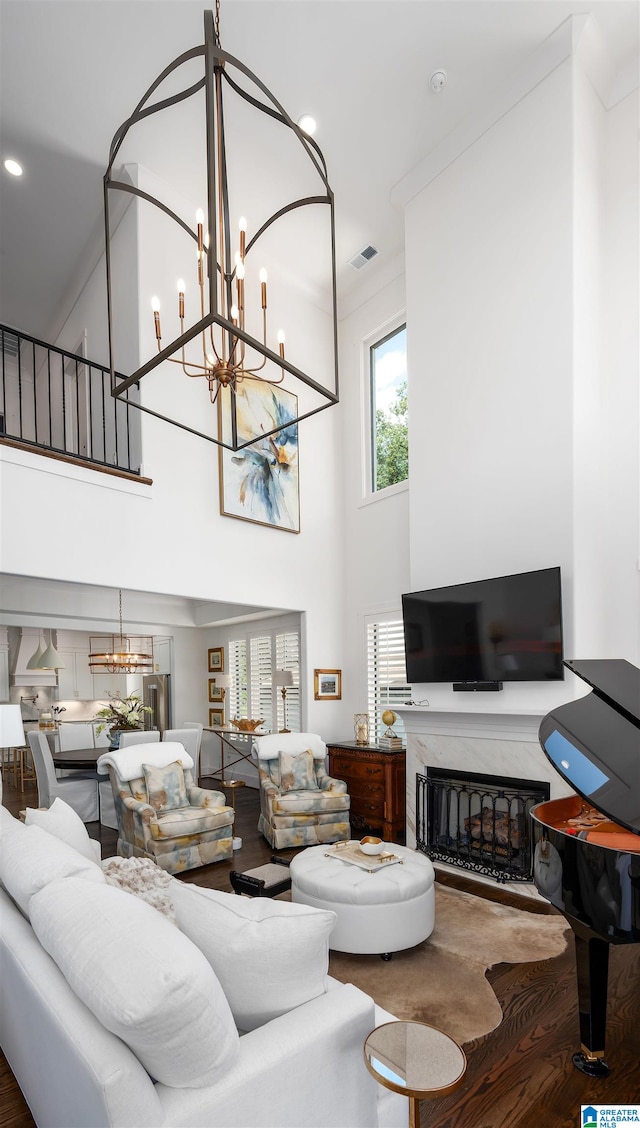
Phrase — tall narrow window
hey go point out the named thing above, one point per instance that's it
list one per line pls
(388, 398)
(386, 673)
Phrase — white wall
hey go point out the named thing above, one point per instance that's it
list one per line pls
(522, 313)
(519, 253)
(489, 269)
(376, 529)
(619, 546)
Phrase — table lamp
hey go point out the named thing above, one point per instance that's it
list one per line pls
(11, 729)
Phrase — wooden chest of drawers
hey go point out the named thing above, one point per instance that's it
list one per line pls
(376, 782)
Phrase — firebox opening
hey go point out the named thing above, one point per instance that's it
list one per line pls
(478, 822)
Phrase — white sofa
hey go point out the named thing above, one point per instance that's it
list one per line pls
(111, 1015)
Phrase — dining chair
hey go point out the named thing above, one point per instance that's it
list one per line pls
(75, 736)
(81, 793)
(190, 735)
(138, 736)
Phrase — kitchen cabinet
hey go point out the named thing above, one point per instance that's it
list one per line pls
(375, 781)
(75, 680)
(116, 685)
(162, 655)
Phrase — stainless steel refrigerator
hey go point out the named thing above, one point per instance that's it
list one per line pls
(156, 693)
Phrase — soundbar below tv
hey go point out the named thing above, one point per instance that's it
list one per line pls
(478, 635)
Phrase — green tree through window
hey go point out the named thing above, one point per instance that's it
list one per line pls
(390, 432)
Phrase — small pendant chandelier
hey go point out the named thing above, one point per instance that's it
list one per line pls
(215, 331)
(121, 654)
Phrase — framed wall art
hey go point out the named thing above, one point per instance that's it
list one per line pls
(261, 482)
(216, 718)
(327, 685)
(215, 656)
(216, 692)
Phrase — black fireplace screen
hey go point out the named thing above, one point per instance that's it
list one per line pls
(477, 822)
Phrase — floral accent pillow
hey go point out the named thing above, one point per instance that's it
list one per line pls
(142, 878)
(166, 789)
(297, 772)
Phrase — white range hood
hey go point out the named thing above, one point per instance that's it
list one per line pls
(29, 638)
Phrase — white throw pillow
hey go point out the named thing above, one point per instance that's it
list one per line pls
(32, 858)
(64, 823)
(141, 977)
(270, 956)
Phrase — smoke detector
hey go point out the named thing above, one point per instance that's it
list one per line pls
(438, 81)
(363, 257)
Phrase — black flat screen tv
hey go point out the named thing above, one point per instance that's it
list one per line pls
(489, 631)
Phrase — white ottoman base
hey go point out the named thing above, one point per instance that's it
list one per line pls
(373, 919)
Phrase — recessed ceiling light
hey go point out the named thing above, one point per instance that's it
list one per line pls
(307, 124)
(13, 167)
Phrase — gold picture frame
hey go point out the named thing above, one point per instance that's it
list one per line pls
(327, 685)
(216, 692)
(216, 718)
(215, 659)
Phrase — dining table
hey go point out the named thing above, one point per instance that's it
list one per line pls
(78, 757)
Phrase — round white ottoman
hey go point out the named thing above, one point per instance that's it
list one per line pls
(381, 912)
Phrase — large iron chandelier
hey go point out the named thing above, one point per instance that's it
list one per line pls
(218, 343)
(121, 654)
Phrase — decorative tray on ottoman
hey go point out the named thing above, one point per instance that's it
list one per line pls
(351, 853)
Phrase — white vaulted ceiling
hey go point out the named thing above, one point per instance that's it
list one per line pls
(72, 72)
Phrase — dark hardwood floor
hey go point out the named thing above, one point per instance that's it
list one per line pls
(519, 1074)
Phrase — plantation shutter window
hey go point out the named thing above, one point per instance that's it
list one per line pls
(237, 691)
(261, 680)
(386, 672)
(288, 658)
(252, 663)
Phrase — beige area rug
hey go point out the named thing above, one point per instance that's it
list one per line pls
(442, 981)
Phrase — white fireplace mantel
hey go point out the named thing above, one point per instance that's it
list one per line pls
(476, 737)
(481, 722)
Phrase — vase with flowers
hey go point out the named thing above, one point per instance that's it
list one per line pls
(121, 714)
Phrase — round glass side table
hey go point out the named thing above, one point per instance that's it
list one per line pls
(416, 1060)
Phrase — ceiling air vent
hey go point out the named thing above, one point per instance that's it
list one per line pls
(363, 257)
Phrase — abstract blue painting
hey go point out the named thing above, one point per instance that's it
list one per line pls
(261, 483)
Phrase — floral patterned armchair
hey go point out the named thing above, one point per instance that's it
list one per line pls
(161, 813)
(300, 805)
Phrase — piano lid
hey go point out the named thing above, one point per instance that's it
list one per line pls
(594, 743)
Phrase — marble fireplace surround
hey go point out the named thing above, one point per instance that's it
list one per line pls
(477, 737)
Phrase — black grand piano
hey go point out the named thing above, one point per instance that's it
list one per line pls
(587, 846)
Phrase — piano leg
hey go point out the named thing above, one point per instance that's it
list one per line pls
(592, 964)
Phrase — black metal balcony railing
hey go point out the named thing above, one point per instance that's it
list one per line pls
(62, 403)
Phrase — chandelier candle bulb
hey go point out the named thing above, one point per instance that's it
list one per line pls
(240, 285)
(281, 342)
(155, 305)
(263, 287)
(243, 234)
(181, 299)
